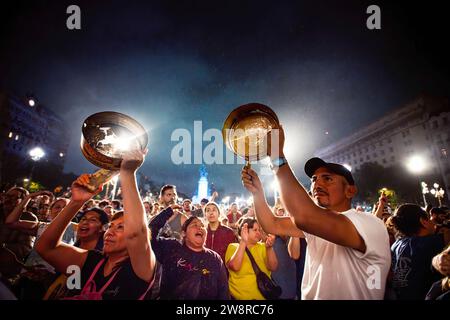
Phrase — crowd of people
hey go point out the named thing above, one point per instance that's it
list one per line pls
(310, 245)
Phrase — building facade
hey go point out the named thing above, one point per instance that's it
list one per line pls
(420, 128)
(24, 125)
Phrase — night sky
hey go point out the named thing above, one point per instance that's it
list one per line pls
(169, 63)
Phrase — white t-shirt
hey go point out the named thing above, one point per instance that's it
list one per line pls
(334, 272)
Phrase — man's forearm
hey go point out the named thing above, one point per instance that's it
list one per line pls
(294, 196)
(14, 216)
(294, 248)
(264, 214)
(272, 261)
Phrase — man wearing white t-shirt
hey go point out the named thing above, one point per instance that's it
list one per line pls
(348, 254)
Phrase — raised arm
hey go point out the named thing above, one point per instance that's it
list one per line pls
(281, 226)
(441, 262)
(294, 246)
(308, 216)
(380, 206)
(13, 219)
(135, 220)
(50, 246)
(272, 261)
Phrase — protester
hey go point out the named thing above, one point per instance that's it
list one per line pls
(218, 236)
(440, 290)
(37, 275)
(242, 277)
(412, 254)
(102, 204)
(117, 205)
(342, 243)
(172, 228)
(148, 206)
(382, 209)
(15, 245)
(109, 211)
(297, 251)
(126, 266)
(90, 229)
(233, 217)
(190, 271)
(286, 274)
(440, 219)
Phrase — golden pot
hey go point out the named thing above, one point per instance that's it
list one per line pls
(246, 128)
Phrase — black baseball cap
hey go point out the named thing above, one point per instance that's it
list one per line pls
(315, 163)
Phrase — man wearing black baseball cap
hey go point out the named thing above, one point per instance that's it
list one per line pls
(348, 254)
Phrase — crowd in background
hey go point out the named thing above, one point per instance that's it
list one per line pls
(202, 249)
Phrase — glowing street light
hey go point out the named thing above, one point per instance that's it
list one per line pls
(416, 164)
(36, 154)
(31, 102)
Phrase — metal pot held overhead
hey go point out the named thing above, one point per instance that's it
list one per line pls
(105, 136)
(245, 130)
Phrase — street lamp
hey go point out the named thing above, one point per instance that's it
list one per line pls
(424, 192)
(438, 193)
(416, 164)
(36, 154)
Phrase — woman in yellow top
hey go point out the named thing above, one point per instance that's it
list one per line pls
(242, 278)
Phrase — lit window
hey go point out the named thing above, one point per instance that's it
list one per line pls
(10, 135)
(17, 137)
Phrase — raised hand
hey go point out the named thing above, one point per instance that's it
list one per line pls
(270, 241)
(132, 160)
(244, 233)
(275, 143)
(79, 190)
(251, 181)
(441, 262)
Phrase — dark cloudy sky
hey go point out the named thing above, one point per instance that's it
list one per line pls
(169, 63)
